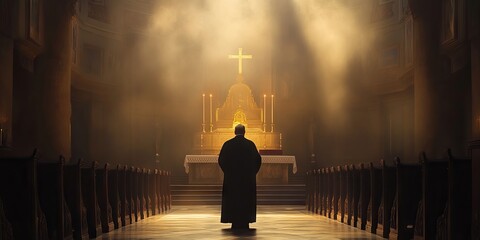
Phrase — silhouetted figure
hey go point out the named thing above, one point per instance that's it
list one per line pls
(240, 161)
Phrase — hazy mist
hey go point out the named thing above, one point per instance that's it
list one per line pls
(309, 53)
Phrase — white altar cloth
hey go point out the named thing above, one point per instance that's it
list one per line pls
(281, 159)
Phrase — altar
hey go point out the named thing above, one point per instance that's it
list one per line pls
(204, 169)
(218, 122)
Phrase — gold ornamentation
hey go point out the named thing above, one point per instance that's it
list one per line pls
(239, 118)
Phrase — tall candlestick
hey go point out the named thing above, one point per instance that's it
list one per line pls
(211, 114)
(203, 112)
(272, 112)
(264, 112)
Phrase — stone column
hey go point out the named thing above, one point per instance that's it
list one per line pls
(6, 70)
(474, 22)
(6, 89)
(474, 31)
(53, 76)
(427, 16)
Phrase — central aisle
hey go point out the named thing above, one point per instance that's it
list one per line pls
(273, 222)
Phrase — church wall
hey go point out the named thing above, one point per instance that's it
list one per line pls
(25, 111)
(18, 98)
(455, 112)
(8, 24)
(81, 111)
(106, 112)
(397, 127)
(6, 89)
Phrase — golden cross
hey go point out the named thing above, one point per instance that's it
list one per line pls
(240, 56)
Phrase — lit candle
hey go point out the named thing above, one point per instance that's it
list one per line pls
(1, 136)
(272, 109)
(203, 112)
(264, 112)
(211, 113)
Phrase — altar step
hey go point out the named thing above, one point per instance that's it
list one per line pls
(289, 194)
(294, 179)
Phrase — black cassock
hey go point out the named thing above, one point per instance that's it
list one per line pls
(240, 161)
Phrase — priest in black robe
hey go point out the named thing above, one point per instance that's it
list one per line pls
(240, 161)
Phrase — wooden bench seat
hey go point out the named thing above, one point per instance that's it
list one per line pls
(114, 196)
(364, 197)
(106, 218)
(124, 193)
(73, 197)
(375, 198)
(19, 193)
(52, 199)
(89, 193)
(388, 195)
(408, 193)
(434, 197)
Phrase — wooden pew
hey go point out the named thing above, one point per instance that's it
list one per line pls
(323, 192)
(114, 196)
(336, 191)
(19, 193)
(132, 196)
(331, 191)
(153, 191)
(146, 191)
(308, 188)
(141, 195)
(315, 191)
(89, 193)
(388, 174)
(474, 153)
(364, 198)
(73, 197)
(343, 204)
(124, 195)
(166, 190)
(102, 198)
(349, 199)
(169, 190)
(161, 201)
(6, 232)
(459, 204)
(408, 194)
(356, 194)
(375, 198)
(434, 197)
(52, 200)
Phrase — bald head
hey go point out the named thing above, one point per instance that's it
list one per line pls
(240, 130)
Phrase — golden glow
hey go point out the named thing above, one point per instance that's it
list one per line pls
(345, 37)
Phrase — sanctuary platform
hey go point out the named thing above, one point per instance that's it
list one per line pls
(204, 169)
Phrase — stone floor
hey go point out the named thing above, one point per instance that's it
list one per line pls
(273, 222)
